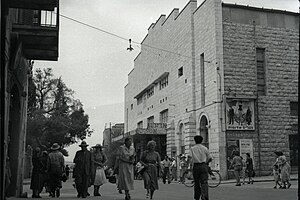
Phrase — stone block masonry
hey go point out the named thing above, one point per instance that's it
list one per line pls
(281, 46)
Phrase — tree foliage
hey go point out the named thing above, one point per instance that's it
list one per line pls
(53, 113)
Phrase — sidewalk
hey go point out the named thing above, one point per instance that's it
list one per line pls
(256, 179)
(261, 179)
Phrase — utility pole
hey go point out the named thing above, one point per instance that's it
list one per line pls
(110, 139)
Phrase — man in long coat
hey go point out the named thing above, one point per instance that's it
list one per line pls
(83, 170)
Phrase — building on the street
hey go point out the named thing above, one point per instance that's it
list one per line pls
(224, 71)
(111, 132)
(29, 31)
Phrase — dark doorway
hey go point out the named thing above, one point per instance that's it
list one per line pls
(13, 140)
(293, 141)
(204, 130)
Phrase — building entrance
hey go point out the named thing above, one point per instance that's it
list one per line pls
(13, 143)
(293, 141)
(204, 131)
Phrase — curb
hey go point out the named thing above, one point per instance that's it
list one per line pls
(257, 181)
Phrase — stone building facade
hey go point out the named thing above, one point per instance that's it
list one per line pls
(226, 72)
(24, 37)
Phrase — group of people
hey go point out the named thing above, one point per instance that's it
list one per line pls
(242, 168)
(89, 169)
(169, 169)
(47, 171)
(281, 171)
(150, 160)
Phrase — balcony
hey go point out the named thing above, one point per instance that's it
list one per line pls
(39, 32)
(34, 4)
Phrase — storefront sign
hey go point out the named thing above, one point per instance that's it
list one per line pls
(240, 114)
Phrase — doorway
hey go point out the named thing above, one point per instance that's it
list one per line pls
(293, 141)
(204, 130)
(13, 140)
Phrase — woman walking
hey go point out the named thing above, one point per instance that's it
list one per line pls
(285, 170)
(151, 160)
(98, 176)
(36, 184)
(249, 168)
(126, 172)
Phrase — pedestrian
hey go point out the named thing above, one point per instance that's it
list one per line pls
(151, 160)
(43, 172)
(200, 158)
(98, 177)
(285, 170)
(182, 167)
(237, 166)
(116, 172)
(56, 167)
(67, 171)
(174, 169)
(243, 172)
(276, 173)
(126, 169)
(166, 170)
(249, 168)
(83, 170)
(35, 184)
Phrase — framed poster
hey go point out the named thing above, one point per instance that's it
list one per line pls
(240, 114)
(232, 145)
(246, 146)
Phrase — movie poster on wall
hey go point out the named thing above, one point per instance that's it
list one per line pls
(246, 146)
(240, 114)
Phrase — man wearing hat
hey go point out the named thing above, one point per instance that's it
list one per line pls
(83, 170)
(55, 168)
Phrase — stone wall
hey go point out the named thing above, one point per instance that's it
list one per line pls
(166, 48)
(208, 40)
(281, 43)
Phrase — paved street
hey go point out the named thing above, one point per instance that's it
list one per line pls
(175, 191)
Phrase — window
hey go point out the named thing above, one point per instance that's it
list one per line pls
(139, 100)
(261, 74)
(164, 116)
(131, 106)
(163, 83)
(294, 108)
(202, 76)
(180, 71)
(140, 124)
(150, 92)
(36, 17)
(150, 121)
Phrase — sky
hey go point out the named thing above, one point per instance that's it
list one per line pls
(96, 64)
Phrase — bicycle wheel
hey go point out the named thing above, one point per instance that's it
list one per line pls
(188, 179)
(214, 180)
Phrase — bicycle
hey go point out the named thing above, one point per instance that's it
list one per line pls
(214, 178)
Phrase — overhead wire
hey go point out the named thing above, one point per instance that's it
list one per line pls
(123, 38)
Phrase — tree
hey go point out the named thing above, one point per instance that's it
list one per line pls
(53, 113)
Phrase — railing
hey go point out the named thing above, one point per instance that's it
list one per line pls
(48, 18)
(40, 18)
